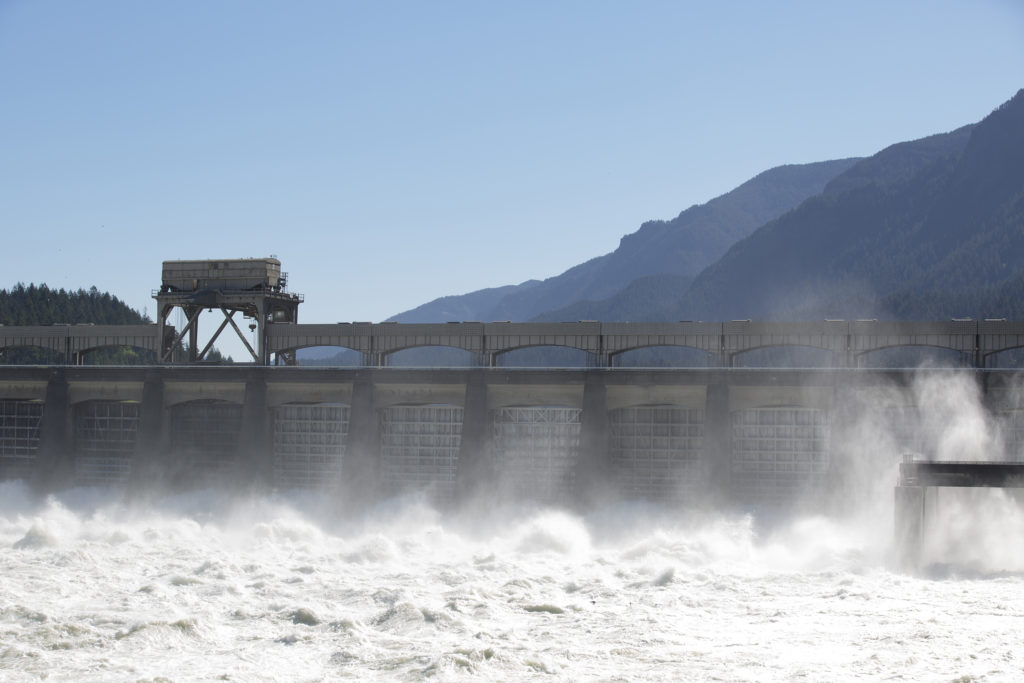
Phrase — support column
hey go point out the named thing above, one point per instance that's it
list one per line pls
(593, 469)
(55, 461)
(256, 450)
(148, 465)
(716, 467)
(193, 333)
(474, 468)
(362, 455)
(909, 521)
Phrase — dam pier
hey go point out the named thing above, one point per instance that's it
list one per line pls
(757, 437)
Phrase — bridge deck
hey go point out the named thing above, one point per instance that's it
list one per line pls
(962, 474)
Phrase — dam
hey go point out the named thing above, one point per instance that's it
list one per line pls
(758, 437)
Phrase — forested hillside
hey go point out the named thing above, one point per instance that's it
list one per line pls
(40, 305)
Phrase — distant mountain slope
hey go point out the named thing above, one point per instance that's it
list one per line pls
(681, 246)
(935, 220)
(461, 306)
(633, 303)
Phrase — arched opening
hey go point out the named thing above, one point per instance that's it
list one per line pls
(309, 442)
(329, 356)
(535, 450)
(655, 450)
(31, 355)
(914, 357)
(664, 357)
(118, 355)
(104, 437)
(205, 438)
(784, 357)
(20, 420)
(545, 357)
(419, 450)
(432, 357)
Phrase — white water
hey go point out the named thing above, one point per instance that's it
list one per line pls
(201, 586)
(198, 587)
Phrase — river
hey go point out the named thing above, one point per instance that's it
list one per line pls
(206, 586)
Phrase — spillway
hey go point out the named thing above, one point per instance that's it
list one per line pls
(655, 451)
(19, 437)
(535, 451)
(419, 450)
(105, 434)
(309, 445)
(779, 453)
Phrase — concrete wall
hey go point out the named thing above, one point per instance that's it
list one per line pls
(720, 393)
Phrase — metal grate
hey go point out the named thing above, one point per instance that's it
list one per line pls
(19, 437)
(420, 450)
(655, 450)
(309, 445)
(536, 450)
(204, 436)
(1012, 424)
(105, 435)
(778, 452)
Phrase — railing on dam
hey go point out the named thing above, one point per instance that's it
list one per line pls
(846, 342)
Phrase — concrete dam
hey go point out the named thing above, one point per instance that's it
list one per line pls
(759, 437)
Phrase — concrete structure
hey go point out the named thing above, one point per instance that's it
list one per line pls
(74, 342)
(756, 437)
(919, 478)
(280, 337)
(255, 287)
(848, 342)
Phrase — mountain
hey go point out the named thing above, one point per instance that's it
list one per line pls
(932, 228)
(682, 246)
(40, 305)
(634, 303)
(461, 306)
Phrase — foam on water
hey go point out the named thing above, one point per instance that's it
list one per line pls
(203, 586)
(195, 587)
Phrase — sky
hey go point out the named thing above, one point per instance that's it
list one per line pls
(393, 152)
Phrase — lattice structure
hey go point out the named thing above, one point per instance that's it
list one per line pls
(309, 445)
(255, 287)
(536, 450)
(420, 450)
(778, 452)
(19, 437)
(104, 437)
(205, 436)
(655, 450)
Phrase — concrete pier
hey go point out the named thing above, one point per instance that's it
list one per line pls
(919, 478)
(752, 438)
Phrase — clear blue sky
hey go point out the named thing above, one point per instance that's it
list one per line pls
(393, 152)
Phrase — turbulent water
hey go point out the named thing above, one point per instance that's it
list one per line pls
(203, 587)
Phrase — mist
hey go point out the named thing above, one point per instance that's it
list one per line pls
(105, 582)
